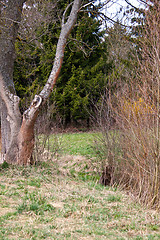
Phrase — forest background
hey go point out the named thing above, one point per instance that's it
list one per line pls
(95, 56)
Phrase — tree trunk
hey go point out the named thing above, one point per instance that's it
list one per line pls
(17, 133)
(10, 120)
(5, 130)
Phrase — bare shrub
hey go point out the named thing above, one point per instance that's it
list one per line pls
(133, 151)
(140, 116)
(140, 147)
(107, 142)
(129, 148)
(47, 139)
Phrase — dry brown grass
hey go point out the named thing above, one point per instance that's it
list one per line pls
(44, 203)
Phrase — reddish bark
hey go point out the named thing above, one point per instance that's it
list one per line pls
(25, 143)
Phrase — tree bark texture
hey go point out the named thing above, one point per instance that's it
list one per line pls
(9, 22)
(18, 132)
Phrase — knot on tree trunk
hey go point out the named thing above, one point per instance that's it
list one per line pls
(31, 112)
(36, 101)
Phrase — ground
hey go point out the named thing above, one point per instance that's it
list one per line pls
(61, 198)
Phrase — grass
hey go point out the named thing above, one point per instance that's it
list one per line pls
(77, 143)
(62, 199)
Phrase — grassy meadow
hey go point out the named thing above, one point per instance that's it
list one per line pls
(75, 143)
(60, 198)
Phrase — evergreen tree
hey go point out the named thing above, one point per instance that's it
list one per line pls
(83, 75)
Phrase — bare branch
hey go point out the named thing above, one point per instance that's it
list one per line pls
(66, 29)
(63, 18)
(86, 5)
(145, 2)
(104, 17)
(81, 46)
(10, 19)
(131, 5)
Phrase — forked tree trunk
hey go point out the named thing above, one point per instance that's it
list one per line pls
(20, 132)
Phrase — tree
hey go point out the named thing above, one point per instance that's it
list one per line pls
(74, 86)
(87, 61)
(77, 82)
(17, 131)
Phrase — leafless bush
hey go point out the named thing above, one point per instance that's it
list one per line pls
(140, 116)
(47, 140)
(140, 149)
(107, 143)
(133, 153)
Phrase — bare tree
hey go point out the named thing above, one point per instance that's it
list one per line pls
(18, 131)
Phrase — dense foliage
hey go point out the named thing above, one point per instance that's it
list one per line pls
(82, 77)
(93, 59)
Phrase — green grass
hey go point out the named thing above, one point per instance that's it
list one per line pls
(61, 199)
(77, 143)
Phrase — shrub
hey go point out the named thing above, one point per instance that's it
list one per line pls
(133, 157)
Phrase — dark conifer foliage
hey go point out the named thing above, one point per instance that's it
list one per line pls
(83, 75)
